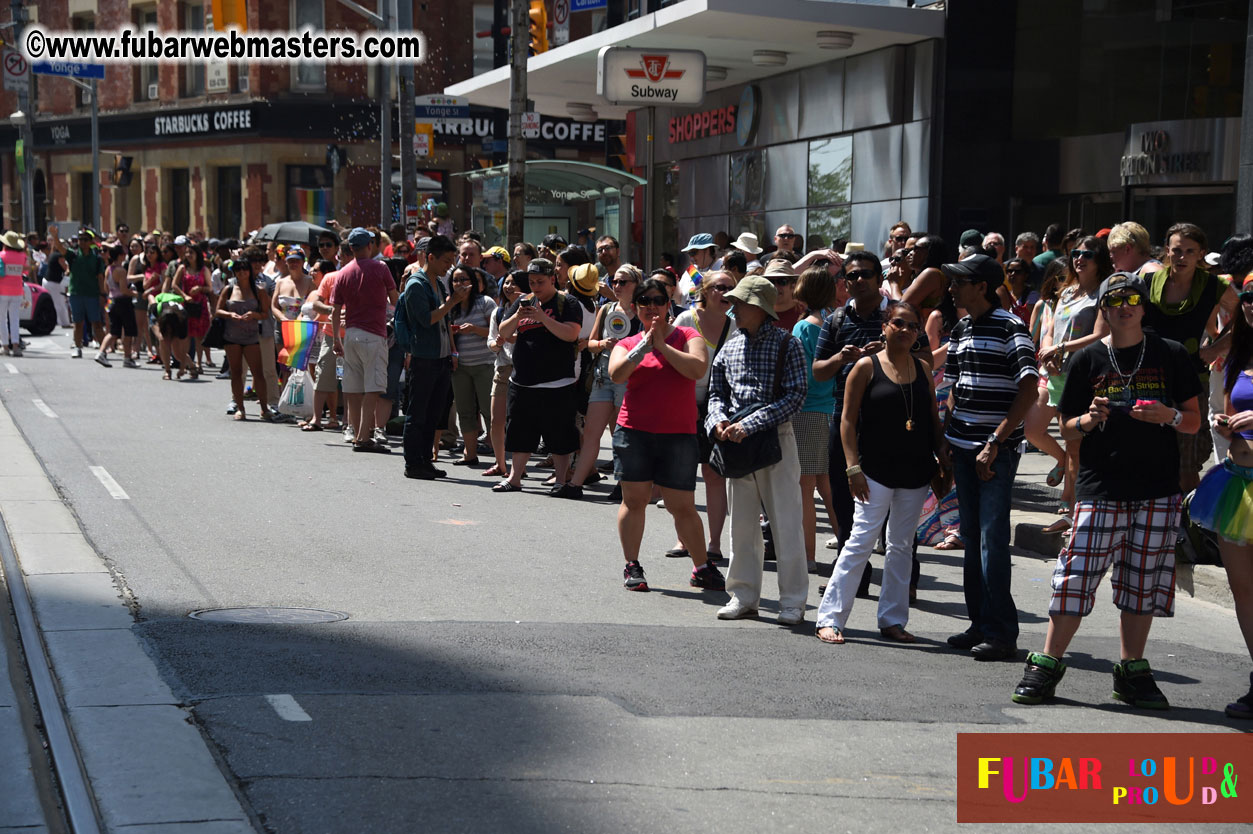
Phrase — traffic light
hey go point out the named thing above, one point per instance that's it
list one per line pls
(539, 27)
(616, 152)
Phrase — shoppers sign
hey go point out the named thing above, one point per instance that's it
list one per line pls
(692, 126)
(1181, 151)
(650, 76)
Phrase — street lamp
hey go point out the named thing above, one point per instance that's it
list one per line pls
(28, 175)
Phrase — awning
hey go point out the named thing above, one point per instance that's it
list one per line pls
(563, 180)
(728, 31)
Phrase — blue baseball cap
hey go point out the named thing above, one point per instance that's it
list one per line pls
(359, 238)
(700, 241)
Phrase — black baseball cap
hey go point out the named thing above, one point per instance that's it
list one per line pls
(1123, 282)
(976, 268)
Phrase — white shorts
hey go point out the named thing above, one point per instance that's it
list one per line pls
(365, 362)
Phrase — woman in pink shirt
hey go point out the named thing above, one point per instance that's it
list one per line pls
(14, 262)
(655, 442)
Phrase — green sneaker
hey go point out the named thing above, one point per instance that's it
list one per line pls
(1040, 680)
(1134, 684)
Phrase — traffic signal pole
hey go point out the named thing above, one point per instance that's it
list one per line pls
(519, 36)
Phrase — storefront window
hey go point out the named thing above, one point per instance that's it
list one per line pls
(747, 181)
(830, 170)
(827, 225)
(180, 200)
(193, 71)
(230, 214)
(309, 14)
(666, 209)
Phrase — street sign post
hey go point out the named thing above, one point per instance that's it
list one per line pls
(429, 108)
(16, 72)
(561, 23)
(69, 69)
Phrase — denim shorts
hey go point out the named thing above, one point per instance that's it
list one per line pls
(668, 460)
(607, 392)
(85, 308)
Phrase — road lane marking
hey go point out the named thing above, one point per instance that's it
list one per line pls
(43, 408)
(287, 708)
(114, 488)
(10, 367)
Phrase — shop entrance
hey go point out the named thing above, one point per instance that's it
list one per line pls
(1213, 208)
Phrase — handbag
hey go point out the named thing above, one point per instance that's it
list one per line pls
(216, 337)
(759, 449)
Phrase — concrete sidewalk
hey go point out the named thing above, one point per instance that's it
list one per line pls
(1035, 505)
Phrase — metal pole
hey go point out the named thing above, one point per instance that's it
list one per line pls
(520, 37)
(1244, 185)
(27, 129)
(408, 162)
(650, 215)
(385, 127)
(95, 158)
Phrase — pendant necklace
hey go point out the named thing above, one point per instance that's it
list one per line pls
(1126, 378)
(909, 403)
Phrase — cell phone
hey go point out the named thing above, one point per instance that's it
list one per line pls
(527, 302)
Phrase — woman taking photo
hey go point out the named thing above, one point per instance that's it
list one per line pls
(816, 290)
(606, 396)
(244, 305)
(892, 435)
(515, 286)
(1223, 501)
(1073, 324)
(655, 442)
(473, 369)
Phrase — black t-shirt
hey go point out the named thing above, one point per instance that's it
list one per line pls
(539, 357)
(1129, 460)
(56, 267)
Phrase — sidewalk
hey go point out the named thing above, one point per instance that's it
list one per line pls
(19, 797)
(1034, 508)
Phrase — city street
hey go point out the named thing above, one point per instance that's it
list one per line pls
(492, 674)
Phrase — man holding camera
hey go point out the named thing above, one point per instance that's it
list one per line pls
(542, 399)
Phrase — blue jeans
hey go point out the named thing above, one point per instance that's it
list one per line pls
(985, 530)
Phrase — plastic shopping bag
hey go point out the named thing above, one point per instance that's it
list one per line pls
(297, 399)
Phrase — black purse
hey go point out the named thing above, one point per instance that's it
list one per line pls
(759, 449)
(216, 337)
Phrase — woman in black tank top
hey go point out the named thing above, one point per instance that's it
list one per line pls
(892, 435)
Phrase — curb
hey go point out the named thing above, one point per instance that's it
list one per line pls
(147, 762)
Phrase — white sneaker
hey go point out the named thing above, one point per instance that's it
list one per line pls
(380, 437)
(833, 543)
(735, 610)
(791, 616)
(76, 353)
(101, 359)
(350, 434)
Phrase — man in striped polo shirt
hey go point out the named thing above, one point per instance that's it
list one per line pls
(991, 359)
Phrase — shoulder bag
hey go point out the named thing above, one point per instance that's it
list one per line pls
(759, 449)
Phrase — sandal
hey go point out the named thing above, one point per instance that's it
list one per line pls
(506, 486)
(951, 542)
(165, 375)
(678, 553)
(836, 638)
(311, 427)
(240, 417)
(1064, 509)
(496, 470)
(1056, 475)
(897, 634)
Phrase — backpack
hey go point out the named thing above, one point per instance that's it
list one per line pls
(401, 327)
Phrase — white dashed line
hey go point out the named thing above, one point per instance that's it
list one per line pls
(114, 488)
(43, 408)
(287, 708)
(10, 367)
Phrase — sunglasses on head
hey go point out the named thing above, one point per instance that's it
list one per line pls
(653, 301)
(903, 324)
(1132, 300)
(1082, 253)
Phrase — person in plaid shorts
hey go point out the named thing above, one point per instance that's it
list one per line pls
(1126, 397)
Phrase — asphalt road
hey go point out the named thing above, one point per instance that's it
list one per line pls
(493, 674)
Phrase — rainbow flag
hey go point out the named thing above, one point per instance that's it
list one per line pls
(299, 337)
(690, 281)
(313, 204)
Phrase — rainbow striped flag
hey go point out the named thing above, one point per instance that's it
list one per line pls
(690, 281)
(299, 337)
(314, 205)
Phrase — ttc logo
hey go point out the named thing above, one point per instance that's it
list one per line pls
(655, 68)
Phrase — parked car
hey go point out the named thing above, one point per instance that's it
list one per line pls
(39, 316)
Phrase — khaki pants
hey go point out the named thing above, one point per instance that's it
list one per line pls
(273, 387)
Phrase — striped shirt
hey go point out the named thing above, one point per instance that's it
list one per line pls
(987, 358)
(849, 328)
(743, 375)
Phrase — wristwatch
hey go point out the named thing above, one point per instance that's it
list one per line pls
(1177, 419)
(993, 440)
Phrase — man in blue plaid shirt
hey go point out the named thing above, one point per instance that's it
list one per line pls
(743, 374)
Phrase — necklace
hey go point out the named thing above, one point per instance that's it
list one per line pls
(909, 402)
(1113, 361)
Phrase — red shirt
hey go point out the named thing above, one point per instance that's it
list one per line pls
(658, 398)
(362, 288)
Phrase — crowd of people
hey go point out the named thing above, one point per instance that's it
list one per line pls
(899, 388)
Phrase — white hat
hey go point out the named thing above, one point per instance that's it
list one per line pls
(747, 242)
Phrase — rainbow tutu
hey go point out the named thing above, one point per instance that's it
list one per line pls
(1223, 502)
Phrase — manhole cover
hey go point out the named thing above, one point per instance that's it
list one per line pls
(269, 616)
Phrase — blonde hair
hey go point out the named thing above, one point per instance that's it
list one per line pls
(631, 271)
(1130, 234)
(702, 290)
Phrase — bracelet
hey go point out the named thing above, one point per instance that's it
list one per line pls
(1079, 427)
(855, 469)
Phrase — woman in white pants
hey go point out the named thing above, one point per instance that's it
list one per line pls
(892, 435)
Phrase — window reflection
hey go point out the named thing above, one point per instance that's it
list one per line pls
(830, 170)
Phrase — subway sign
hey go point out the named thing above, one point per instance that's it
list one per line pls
(650, 76)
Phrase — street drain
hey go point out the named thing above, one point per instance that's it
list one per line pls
(268, 616)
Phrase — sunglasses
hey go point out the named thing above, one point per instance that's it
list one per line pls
(622, 282)
(653, 301)
(326, 244)
(605, 248)
(1246, 297)
(783, 282)
(1132, 300)
(1016, 271)
(860, 275)
(721, 288)
(900, 238)
(786, 235)
(902, 324)
(1076, 254)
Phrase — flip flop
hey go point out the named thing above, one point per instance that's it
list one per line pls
(494, 470)
(506, 486)
(1056, 475)
(1064, 509)
(951, 543)
(836, 640)
(678, 553)
(311, 427)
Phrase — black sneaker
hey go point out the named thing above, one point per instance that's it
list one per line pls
(708, 576)
(966, 641)
(615, 494)
(1040, 680)
(633, 577)
(1134, 684)
(1242, 707)
(567, 491)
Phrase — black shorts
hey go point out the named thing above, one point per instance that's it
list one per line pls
(172, 326)
(668, 460)
(535, 413)
(122, 317)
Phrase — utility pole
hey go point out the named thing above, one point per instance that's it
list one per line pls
(94, 89)
(405, 92)
(385, 125)
(26, 129)
(519, 34)
(1244, 182)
